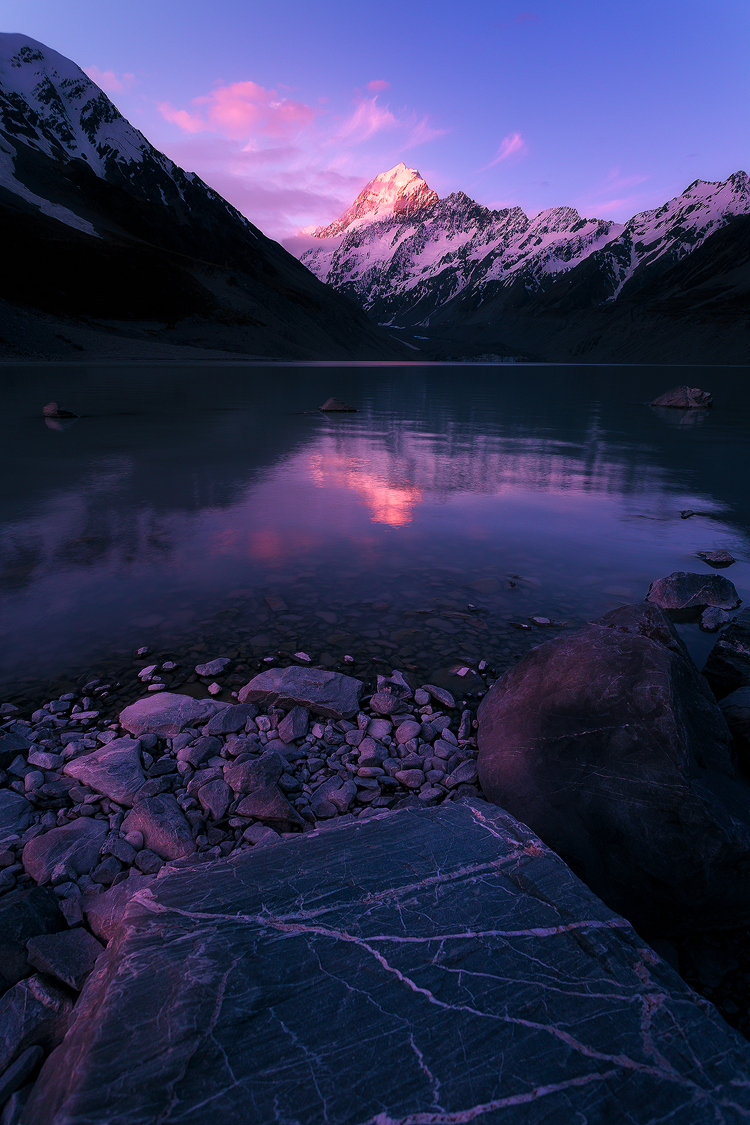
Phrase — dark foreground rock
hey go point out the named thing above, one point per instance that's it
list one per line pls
(427, 966)
(728, 665)
(684, 398)
(686, 596)
(608, 743)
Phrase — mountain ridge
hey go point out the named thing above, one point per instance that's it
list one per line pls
(455, 264)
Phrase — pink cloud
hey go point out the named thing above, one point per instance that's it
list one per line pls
(367, 119)
(512, 144)
(282, 163)
(240, 110)
(526, 17)
(377, 85)
(108, 80)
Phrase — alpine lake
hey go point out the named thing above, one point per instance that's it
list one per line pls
(210, 510)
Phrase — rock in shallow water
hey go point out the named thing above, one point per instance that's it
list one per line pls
(685, 596)
(433, 965)
(607, 743)
(684, 398)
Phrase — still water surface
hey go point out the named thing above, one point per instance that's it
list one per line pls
(185, 496)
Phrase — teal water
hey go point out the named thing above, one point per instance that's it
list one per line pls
(185, 496)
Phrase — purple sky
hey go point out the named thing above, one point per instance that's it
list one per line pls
(290, 108)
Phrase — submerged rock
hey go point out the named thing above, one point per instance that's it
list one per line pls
(608, 743)
(684, 398)
(494, 985)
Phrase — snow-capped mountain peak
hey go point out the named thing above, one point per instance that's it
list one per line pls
(408, 266)
(400, 191)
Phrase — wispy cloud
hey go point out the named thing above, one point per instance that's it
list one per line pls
(513, 144)
(526, 17)
(610, 195)
(284, 163)
(377, 85)
(109, 81)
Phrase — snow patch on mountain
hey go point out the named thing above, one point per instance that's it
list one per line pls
(54, 210)
(49, 104)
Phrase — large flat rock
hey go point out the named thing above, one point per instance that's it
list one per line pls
(325, 693)
(166, 714)
(430, 967)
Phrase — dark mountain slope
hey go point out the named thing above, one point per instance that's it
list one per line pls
(103, 234)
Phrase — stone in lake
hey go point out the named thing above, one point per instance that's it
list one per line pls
(685, 596)
(493, 984)
(324, 693)
(114, 770)
(608, 743)
(336, 406)
(716, 558)
(714, 619)
(54, 410)
(728, 664)
(166, 714)
(163, 824)
(684, 398)
(74, 846)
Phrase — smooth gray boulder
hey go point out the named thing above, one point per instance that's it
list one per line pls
(608, 743)
(114, 770)
(15, 814)
(685, 596)
(166, 714)
(727, 666)
(75, 846)
(684, 398)
(324, 693)
(427, 966)
(163, 824)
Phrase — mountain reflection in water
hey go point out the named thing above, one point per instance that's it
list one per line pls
(180, 490)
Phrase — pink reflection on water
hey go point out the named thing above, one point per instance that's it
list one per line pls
(391, 504)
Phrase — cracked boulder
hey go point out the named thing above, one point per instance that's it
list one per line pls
(429, 965)
(609, 744)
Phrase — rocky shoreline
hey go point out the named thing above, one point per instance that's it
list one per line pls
(100, 801)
